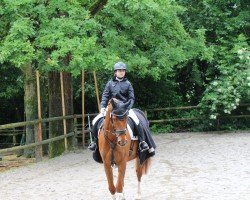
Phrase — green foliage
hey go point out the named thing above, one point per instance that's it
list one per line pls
(157, 129)
(178, 52)
(16, 48)
(225, 79)
(66, 38)
(11, 82)
(225, 92)
(148, 36)
(62, 35)
(150, 93)
(57, 35)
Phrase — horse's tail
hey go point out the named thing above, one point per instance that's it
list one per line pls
(146, 165)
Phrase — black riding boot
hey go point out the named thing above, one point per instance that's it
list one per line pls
(143, 146)
(92, 146)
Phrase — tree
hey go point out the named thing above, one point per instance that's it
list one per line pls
(16, 48)
(43, 35)
(11, 88)
(60, 35)
(150, 38)
(225, 78)
(148, 35)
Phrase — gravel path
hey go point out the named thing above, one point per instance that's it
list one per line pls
(187, 166)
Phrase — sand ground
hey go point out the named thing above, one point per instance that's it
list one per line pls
(187, 166)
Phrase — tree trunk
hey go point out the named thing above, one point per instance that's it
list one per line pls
(45, 109)
(30, 105)
(55, 109)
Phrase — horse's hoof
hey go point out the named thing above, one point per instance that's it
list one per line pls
(120, 196)
(113, 197)
(138, 197)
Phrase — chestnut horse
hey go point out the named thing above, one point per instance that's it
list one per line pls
(116, 147)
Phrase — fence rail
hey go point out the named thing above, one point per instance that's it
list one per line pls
(195, 118)
(190, 118)
(5, 129)
(185, 107)
(27, 146)
(33, 122)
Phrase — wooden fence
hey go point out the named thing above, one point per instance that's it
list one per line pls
(190, 118)
(186, 121)
(11, 131)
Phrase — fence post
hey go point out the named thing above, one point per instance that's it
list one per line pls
(83, 109)
(38, 127)
(97, 92)
(14, 137)
(63, 111)
(38, 149)
(75, 131)
(218, 124)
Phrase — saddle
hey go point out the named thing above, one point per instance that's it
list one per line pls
(148, 138)
(99, 124)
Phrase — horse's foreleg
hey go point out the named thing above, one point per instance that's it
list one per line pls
(120, 179)
(110, 178)
(139, 175)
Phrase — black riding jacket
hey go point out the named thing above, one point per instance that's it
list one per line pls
(122, 90)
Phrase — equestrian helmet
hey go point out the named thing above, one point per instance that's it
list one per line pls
(119, 65)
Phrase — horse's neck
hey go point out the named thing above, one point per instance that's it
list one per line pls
(107, 126)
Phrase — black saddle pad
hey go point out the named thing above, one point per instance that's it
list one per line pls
(96, 156)
(148, 138)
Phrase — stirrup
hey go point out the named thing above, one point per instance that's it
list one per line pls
(143, 146)
(92, 146)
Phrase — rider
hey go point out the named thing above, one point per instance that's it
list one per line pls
(120, 88)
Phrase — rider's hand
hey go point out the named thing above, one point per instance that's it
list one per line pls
(103, 110)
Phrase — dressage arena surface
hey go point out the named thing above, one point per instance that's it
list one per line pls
(187, 166)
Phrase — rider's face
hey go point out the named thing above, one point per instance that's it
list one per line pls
(120, 73)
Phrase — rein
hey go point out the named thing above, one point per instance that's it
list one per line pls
(112, 146)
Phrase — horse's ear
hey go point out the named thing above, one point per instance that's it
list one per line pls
(127, 103)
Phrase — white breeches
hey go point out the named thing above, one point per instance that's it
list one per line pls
(131, 114)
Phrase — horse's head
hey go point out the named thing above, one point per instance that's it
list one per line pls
(119, 119)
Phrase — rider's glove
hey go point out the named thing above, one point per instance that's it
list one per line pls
(103, 110)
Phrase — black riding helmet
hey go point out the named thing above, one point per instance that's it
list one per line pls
(119, 65)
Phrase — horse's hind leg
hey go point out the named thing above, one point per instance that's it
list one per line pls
(139, 175)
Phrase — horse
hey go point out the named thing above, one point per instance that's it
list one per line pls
(117, 148)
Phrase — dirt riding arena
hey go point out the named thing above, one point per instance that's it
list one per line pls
(187, 166)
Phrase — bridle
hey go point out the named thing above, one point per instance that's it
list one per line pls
(119, 117)
(116, 133)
